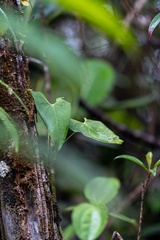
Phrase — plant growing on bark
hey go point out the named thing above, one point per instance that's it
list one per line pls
(28, 204)
(28, 207)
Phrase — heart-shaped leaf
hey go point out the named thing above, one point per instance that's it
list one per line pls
(55, 116)
(95, 130)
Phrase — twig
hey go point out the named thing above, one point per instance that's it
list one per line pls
(116, 234)
(134, 194)
(138, 5)
(126, 5)
(141, 214)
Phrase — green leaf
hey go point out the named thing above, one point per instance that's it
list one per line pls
(124, 218)
(68, 232)
(63, 63)
(101, 190)
(149, 157)
(99, 81)
(132, 159)
(51, 49)
(153, 24)
(153, 171)
(95, 130)
(10, 127)
(99, 15)
(89, 221)
(55, 116)
(156, 164)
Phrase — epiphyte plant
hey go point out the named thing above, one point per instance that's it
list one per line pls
(150, 171)
(149, 159)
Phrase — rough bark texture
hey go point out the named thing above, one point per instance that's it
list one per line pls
(28, 209)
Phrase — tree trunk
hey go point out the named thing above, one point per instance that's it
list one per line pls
(28, 208)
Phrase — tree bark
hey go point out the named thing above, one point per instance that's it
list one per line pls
(28, 208)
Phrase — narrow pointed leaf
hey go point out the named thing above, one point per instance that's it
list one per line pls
(89, 220)
(101, 190)
(156, 164)
(55, 116)
(154, 169)
(153, 24)
(132, 159)
(149, 157)
(95, 130)
(124, 218)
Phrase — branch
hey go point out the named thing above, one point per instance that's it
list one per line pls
(116, 234)
(138, 5)
(144, 188)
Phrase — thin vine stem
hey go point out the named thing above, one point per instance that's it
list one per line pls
(144, 188)
(11, 91)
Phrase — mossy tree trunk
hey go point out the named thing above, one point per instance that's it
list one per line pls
(28, 209)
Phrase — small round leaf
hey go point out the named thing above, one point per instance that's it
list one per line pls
(101, 190)
(89, 220)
